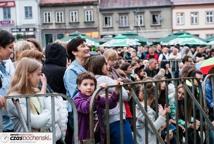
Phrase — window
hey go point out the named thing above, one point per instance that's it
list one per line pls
(48, 38)
(156, 18)
(139, 20)
(47, 17)
(180, 18)
(194, 18)
(74, 16)
(28, 12)
(107, 21)
(89, 16)
(210, 16)
(123, 21)
(59, 17)
(6, 13)
(59, 36)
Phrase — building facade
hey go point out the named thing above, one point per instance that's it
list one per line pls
(27, 24)
(151, 19)
(7, 14)
(62, 17)
(194, 16)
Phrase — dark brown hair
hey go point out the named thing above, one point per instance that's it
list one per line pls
(6, 38)
(72, 46)
(95, 64)
(86, 75)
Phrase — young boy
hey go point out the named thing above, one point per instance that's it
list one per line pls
(86, 83)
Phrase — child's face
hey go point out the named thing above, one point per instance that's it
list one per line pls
(180, 94)
(35, 77)
(140, 96)
(87, 87)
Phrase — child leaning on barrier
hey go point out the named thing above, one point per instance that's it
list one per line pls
(25, 81)
(158, 123)
(86, 83)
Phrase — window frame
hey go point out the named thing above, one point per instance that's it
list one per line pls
(137, 19)
(210, 16)
(89, 15)
(110, 21)
(28, 10)
(159, 16)
(194, 18)
(180, 18)
(46, 17)
(60, 15)
(123, 20)
(75, 16)
(6, 13)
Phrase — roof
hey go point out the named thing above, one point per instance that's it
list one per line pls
(192, 2)
(64, 2)
(112, 4)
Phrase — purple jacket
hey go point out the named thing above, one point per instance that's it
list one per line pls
(82, 103)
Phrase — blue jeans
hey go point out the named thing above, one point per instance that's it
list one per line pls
(115, 133)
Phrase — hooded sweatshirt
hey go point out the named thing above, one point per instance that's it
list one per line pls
(55, 66)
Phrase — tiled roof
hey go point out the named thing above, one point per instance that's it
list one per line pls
(63, 2)
(191, 2)
(109, 4)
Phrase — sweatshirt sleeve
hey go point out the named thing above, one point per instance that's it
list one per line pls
(160, 121)
(112, 100)
(82, 105)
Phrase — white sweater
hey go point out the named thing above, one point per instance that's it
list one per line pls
(140, 125)
(114, 114)
(44, 119)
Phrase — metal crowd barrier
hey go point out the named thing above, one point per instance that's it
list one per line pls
(196, 104)
(27, 124)
(1, 124)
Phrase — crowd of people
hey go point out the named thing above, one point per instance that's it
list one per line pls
(71, 69)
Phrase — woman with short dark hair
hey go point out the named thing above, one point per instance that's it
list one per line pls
(6, 49)
(78, 52)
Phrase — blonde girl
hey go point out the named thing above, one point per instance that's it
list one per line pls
(27, 76)
(25, 81)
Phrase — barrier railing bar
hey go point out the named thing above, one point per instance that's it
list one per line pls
(107, 117)
(28, 113)
(121, 117)
(75, 117)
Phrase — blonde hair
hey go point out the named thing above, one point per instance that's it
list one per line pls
(19, 47)
(20, 82)
(32, 53)
(110, 54)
